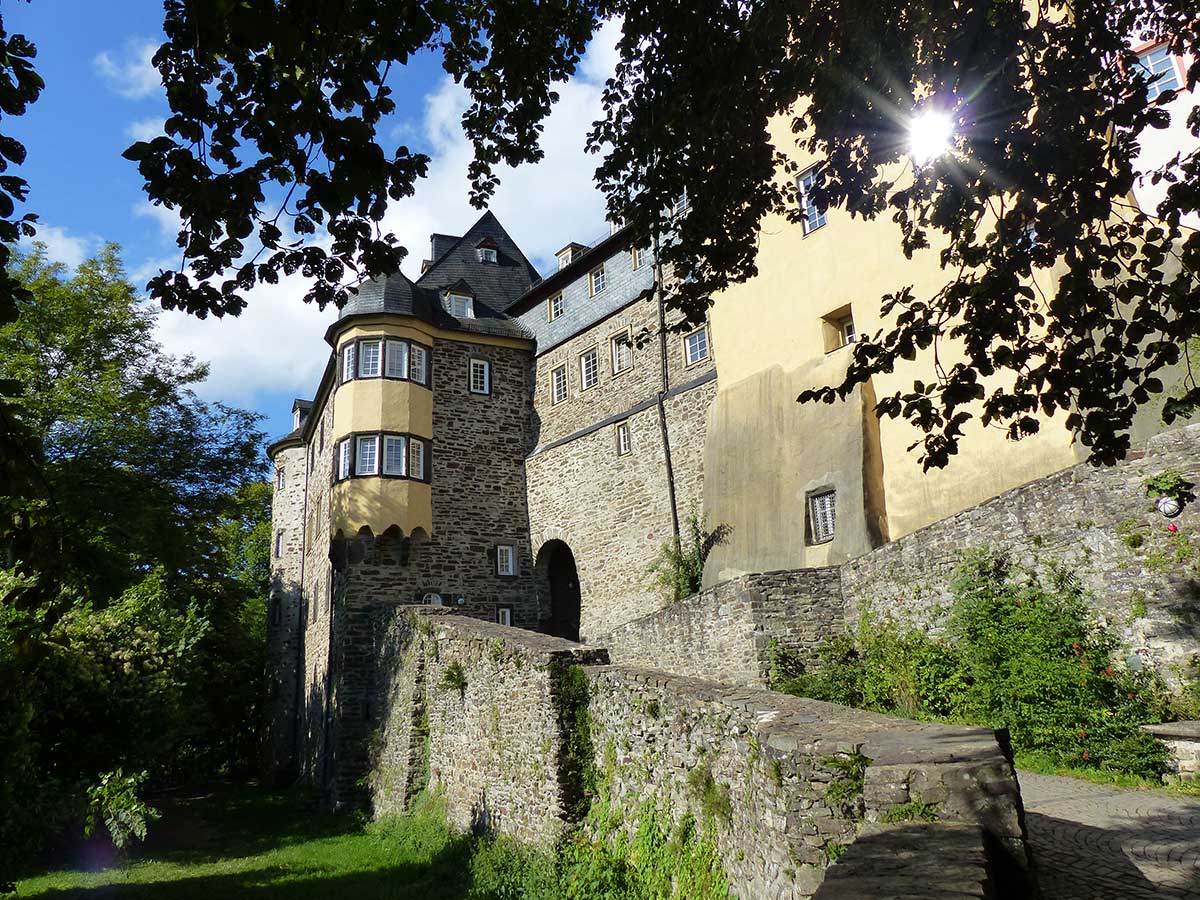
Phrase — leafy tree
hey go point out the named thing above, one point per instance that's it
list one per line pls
(1047, 101)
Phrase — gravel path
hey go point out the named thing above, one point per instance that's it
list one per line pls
(1092, 842)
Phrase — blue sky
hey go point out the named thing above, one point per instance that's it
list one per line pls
(101, 94)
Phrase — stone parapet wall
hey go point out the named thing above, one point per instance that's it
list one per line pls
(726, 632)
(1144, 580)
(1182, 740)
(775, 759)
(485, 715)
(475, 708)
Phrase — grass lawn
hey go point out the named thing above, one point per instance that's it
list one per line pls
(247, 842)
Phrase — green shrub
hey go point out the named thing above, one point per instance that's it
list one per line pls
(115, 803)
(678, 570)
(502, 869)
(454, 678)
(1020, 652)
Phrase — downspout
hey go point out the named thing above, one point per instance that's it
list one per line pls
(666, 383)
(301, 622)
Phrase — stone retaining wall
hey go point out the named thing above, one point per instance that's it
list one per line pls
(1182, 739)
(1098, 522)
(726, 631)
(488, 716)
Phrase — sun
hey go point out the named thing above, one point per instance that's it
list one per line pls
(930, 134)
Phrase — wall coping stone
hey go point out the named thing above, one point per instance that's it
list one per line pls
(1186, 730)
(532, 643)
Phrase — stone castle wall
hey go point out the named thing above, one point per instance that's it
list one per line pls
(1143, 579)
(726, 632)
(482, 713)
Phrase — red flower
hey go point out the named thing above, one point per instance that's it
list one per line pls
(1172, 528)
(1086, 755)
(1129, 696)
(1083, 734)
(1109, 671)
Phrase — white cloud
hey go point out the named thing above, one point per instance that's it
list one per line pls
(168, 220)
(144, 129)
(62, 246)
(277, 343)
(131, 74)
(543, 206)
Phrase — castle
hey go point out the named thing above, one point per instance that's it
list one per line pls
(519, 448)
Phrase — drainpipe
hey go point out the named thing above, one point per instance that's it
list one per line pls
(301, 624)
(666, 383)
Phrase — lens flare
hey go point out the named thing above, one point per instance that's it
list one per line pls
(930, 134)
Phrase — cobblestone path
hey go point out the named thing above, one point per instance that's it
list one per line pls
(1092, 842)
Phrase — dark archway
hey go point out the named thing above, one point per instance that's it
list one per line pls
(564, 590)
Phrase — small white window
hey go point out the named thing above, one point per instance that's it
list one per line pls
(480, 376)
(460, 306)
(636, 257)
(1158, 66)
(813, 218)
(348, 362)
(846, 330)
(367, 460)
(589, 369)
(395, 455)
(615, 225)
(418, 358)
(343, 460)
(564, 258)
(278, 544)
(624, 444)
(416, 459)
(280, 479)
(681, 205)
(696, 346)
(487, 255)
(369, 353)
(506, 559)
(554, 307)
(596, 281)
(397, 359)
(558, 384)
(822, 513)
(504, 615)
(622, 353)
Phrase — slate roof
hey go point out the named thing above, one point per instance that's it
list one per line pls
(495, 286)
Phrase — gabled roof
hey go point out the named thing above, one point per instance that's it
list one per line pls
(494, 286)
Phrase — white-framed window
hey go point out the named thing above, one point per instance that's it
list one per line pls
(596, 281)
(696, 346)
(487, 255)
(622, 352)
(846, 329)
(416, 459)
(1158, 65)
(348, 362)
(558, 384)
(813, 218)
(418, 363)
(344, 459)
(822, 516)
(397, 359)
(624, 442)
(369, 358)
(554, 307)
(278, 544)
(589, 369)
(460, 306)
(637, 256)
(506, 559)
(479, 376)
(565, 256)
(280, 479)
(615, 225)
(504, 615)
(681, 204)
(395, 454)
(366, 460)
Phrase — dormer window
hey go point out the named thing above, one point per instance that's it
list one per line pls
(487, 255)
(460, 306)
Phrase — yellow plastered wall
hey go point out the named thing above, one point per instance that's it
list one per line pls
(772, 339)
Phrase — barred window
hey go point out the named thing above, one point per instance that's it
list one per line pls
(395, 455)
(558, 384)
(822, 515)
(367, 461)
(589, 369)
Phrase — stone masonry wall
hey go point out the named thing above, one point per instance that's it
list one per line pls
(671, 742)
(614, 511)
(1099, 522)
(284, 614)
(475, 708)
(726, 632)
(481, 712)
